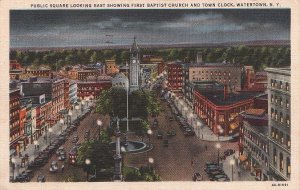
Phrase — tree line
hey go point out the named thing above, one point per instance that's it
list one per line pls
(259, 57)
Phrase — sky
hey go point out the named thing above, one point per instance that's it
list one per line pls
(65, 28)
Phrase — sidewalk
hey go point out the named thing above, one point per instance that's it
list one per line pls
(203, 131)
(43, 142)
(243, 176)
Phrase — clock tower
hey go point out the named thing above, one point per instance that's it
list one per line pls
(134, 67)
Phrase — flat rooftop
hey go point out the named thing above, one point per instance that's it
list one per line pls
(218, 98)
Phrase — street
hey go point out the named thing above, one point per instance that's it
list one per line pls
(174, 163)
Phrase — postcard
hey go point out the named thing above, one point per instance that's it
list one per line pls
(149, 94)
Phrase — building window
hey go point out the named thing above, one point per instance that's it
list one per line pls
(275, 157)
(281, 162)
(288, 167)
(272, 98)
(280, 84)
(287, 104)
(287, 87)
(288, 141)
(288, 120)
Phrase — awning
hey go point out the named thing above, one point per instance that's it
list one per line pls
(233, 126)
(243, 158)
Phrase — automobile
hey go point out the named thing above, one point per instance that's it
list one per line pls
(166, 143)
(219, 176)
(212, 171)
(216, 172)
(197, 177)
(41, 178)
(159, 135)
(222, 179)
(75, 139)
(62, 157)
(171, 118)
(22, 178)
(53, 167)
(171, 133)
(155, 122)
(59, 150)
(188, 132)
(229, 152)
(210, 163)
(87, 134)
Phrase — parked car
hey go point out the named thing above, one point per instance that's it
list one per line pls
(197, 177)
(59, 150)
(159, 135)
(229, 152)
(41, 178)
(166, 143)
(53, 167)
(171, 133)
(22, 178)
(75, 139)
(171, 118)
(219, 176)
(62, 157)
(188, 132)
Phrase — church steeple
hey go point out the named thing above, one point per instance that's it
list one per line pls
(134, 66)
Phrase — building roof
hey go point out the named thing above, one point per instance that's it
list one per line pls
(282, 70)
(218, 99)
(255, 112)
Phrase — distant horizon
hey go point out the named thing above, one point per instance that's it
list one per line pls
(109, 28)
(167, 45)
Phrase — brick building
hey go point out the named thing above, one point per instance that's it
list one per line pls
(14, 119)
(219, 109)
(175, 75)
(92, 87)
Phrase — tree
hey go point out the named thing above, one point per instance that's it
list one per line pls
(98, 152)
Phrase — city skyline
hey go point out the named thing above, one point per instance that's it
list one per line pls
(61, 28)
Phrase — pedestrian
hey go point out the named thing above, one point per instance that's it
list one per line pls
(202, 136)
(239, 173)
(206, 147)
(38, 147)
(62, 168)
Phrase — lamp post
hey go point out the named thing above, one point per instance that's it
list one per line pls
(191, 116)
(82, 104)
(149, 132)
(61, 121)
(13, 162)
(185, 111)
(99, 123)
(35, 146)
(150, 161)
(87, 163)
(69, 118)
(50, 131)
(181, 106)
(231, 163)
(218, 146)
(198, 127)
(77, 108)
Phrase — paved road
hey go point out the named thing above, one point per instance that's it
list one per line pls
(173, 163)
(89, 123)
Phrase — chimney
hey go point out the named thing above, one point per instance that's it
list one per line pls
(225, 92)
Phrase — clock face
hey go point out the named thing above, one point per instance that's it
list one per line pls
(133, 61)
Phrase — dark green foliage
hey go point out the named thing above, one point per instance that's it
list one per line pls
(259, 57)
(99, 153)
(144, 173)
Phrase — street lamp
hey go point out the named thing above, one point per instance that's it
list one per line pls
(198, 127)
(82, 104)
(218, 146)
(87, 163)
(77, 108)
(61, 121)
(185, 111)
(13, 162)
(191, 116)
(50, 131)
(35, 146)
(150, 161)
(149, 132)
(69, 118)
(99, 123)
(231, 163)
